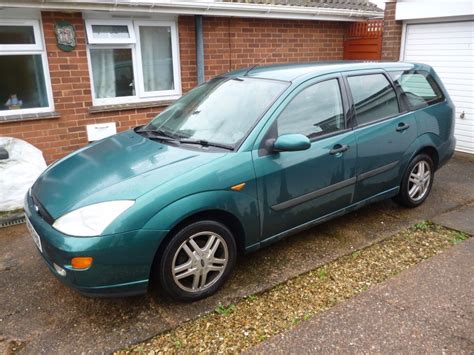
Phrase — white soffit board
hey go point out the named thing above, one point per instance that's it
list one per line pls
(425, 9)
(207, 8)
(449, 48)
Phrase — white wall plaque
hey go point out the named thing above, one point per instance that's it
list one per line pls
(99, 131)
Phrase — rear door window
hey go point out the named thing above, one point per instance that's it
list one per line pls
(418, 87)
(374, 97)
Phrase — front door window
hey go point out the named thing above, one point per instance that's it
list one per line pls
(315, 111)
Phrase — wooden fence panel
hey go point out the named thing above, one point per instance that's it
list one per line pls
(364, 41)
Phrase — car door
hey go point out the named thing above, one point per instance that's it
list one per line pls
(384, 133)
(298, 187)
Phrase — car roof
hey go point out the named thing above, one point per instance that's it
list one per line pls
(296, 71)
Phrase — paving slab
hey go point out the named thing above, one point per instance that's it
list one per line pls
(426, 309)
(47, 317)
(461, 219)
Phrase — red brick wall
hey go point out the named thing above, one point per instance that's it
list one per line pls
(392, 34)
(230, 43)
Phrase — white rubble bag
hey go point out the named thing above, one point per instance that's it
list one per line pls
(17, 173)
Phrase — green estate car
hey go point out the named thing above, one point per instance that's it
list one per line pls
(239, 162)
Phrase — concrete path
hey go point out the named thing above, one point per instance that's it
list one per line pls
(426, 309)
(461, 219)
(48, 317)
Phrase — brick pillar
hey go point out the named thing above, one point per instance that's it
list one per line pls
(187, 52)
(69, 73)
(392, 33)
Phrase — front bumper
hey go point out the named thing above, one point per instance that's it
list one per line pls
(122, 262)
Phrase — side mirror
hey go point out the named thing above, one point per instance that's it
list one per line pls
(291, 143)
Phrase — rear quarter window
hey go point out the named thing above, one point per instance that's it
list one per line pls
(418, 88)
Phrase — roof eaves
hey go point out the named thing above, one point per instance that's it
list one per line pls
(200, 8)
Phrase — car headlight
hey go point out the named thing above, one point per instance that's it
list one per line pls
(90, 221)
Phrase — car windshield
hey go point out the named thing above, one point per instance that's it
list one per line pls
(221, 111)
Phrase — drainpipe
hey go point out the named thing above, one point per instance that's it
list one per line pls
(199, 48)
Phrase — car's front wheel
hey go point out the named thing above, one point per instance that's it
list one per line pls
(197, 261)
(417, 181)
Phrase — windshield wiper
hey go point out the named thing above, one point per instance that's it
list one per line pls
(165, 136)
(158, 134)
(205, 143)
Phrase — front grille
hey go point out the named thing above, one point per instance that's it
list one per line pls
(41, 210)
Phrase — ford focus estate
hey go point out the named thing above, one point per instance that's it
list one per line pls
(238, 163)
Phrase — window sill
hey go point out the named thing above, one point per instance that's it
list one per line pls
(130, 106)
(28, 117)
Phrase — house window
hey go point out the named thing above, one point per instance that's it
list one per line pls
(25, 80)
(133, 61)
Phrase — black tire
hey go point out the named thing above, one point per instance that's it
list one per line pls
(176, 254)
(403, 198)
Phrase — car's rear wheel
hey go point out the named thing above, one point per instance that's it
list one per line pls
(197, 261)
(417, 181)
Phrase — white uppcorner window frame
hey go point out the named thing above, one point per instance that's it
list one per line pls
(92, 38)
(36, 48)
(134, 44)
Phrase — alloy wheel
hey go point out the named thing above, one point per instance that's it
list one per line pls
(200, 261)
(419, 180)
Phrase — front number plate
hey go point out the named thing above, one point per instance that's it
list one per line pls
(34, 235)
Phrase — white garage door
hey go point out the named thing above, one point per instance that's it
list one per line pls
(449, 48)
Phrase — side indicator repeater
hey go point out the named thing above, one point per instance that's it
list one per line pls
(238, 187)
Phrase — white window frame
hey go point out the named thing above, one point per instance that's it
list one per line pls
(174, 56)
(37, 46)
(113, 100)
(140, 94)
(92, 40)
(29, 49)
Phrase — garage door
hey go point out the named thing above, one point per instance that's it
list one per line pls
(449, 48)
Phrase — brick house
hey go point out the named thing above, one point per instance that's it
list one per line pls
(125, 60)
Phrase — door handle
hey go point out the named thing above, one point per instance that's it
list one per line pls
(402, 126)
(338, 148)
